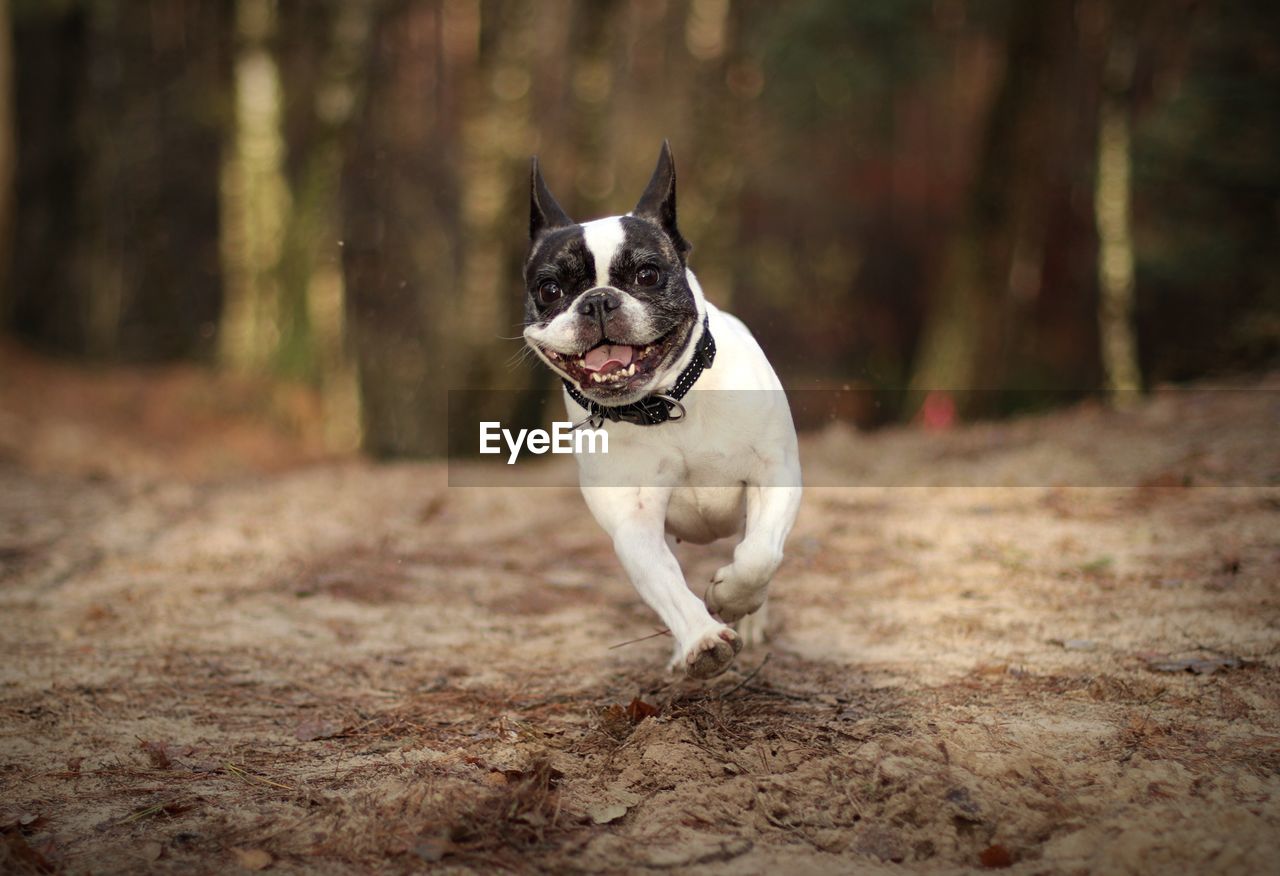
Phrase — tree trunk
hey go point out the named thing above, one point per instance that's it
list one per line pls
(993, 260)
(45, 307)
(256, 203)
(120, 109)
(401, 240)
(1112, 195)
(8, 159)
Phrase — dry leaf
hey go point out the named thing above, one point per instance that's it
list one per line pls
(157, 753)
(20, 852)
(26, 822)
(253, 859)
(638, 710)
(614, 721)
(996, 857)
(607, 813)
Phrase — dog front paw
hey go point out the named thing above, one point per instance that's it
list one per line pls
(729, 599)
(710, 655)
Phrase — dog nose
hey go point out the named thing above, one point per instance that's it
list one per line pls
(599, 303)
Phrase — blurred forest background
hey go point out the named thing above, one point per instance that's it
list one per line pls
(1040, 199)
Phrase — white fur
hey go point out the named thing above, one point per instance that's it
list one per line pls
(729, 466)
(604, 237)
(562, 333)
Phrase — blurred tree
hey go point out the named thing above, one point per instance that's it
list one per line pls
(298, 72)
(256, 203)
(1009, 291)
(1112, 198)
(1206, 199)
(999, 237)
(322, 48)
(120, 114)
(923, 191)
(856, 144)
(49, 66)
(493, 50)
(7, 156)
(402, 241)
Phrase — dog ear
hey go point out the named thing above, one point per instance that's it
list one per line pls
(544, 212)
(659, 199)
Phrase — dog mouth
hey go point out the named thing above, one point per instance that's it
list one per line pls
(611, 367)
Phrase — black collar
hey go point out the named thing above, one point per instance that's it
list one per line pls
(658, 407)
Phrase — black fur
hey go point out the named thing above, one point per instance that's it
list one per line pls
(560, 255)
(646, 244)
(544, 212)
(558, 251)
(659, 199)
(651, 239)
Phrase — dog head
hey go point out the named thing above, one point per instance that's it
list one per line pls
(609, 304)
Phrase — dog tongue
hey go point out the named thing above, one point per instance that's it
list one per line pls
(608, 357)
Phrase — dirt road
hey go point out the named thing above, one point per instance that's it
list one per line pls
(344, 667)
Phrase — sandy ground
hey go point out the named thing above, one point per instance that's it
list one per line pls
(222, 651)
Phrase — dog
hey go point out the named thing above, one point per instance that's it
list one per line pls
(701, 441)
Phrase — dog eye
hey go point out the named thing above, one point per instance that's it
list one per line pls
(550, 292)
(648, 277)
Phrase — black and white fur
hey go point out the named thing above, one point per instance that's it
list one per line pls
(728, 466)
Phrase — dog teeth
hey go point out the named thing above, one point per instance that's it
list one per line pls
(553, 354)
(615, 376)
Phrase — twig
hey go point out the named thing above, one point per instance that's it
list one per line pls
(246, 776)
(782, 694)
(154, 809)
(752, 674)
(663, 632)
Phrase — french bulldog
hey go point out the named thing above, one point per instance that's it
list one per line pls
(701, 444)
